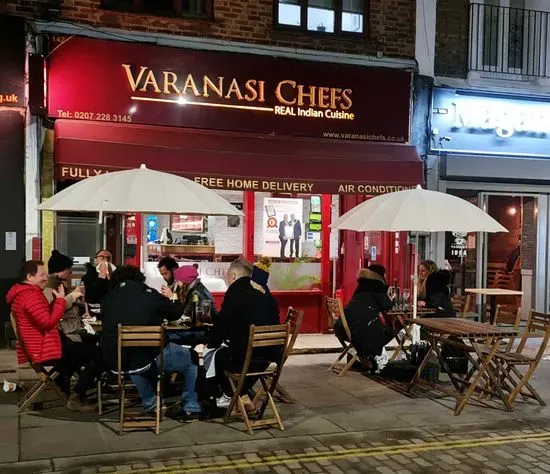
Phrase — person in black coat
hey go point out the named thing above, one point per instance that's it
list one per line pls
(438, 295)
(245, 303)
(368, 333)
(130, 302)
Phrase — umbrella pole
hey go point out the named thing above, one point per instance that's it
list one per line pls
(415, 329)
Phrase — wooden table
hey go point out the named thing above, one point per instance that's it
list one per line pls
(404, 317)
(492, 293)
(481, 342)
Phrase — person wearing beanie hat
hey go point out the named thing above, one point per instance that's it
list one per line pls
(189, 294)
(260, 273)
(60, 264)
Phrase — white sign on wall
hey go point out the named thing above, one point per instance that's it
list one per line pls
(283, 227)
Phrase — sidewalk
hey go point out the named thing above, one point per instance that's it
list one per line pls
(331, 413)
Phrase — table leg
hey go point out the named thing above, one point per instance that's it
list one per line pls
(493, 299)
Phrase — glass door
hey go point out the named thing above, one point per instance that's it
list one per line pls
(516, 260)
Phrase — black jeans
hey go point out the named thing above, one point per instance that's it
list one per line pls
(295, 247)
(81, 357)
(283, 246)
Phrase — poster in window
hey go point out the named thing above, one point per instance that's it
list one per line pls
(282, 227)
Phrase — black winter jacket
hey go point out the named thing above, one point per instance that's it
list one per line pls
(132, 304)
(244, 305)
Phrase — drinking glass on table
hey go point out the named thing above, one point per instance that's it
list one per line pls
(204, 309)
(406, 296)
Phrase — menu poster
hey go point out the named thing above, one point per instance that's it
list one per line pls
(282, 227)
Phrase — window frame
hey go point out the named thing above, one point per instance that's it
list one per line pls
(338, 12)
(138, 7)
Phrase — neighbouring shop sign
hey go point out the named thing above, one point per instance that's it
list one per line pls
(139, 83)
(254, 184)
(12, 61)
(464, 122)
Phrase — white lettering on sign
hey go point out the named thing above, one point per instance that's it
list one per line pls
(504, 120)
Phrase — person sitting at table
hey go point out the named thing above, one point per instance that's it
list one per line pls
(381, 271)
(425, 269)
(37, 328)
(243, 305)
(96, 281)
(369, 333)
(132, 303)
(191, 293)
(438, 295)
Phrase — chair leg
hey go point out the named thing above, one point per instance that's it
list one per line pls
(121, 402)
(340, 357)
(59, 392)
(28, 400)
(348, 366)
(159, 407)
(523, 378)
(231, 403)
(282, 394)
(272, 403)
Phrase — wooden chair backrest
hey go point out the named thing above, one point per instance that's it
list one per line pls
(462, 304)
(509, 315)
(335, 310)
(294, 319)
(266, 336)
(139, 336)
(537, 324)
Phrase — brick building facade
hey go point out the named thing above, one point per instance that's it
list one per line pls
(389, 24)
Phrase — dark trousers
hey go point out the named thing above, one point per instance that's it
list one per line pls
(296, 244)
(223, 363)
(283, 246)
(81, 357)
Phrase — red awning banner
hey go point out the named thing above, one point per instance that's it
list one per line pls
(241, 161)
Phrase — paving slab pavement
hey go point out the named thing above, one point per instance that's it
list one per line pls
(331, 413)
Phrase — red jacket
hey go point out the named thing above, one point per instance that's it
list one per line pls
(36, 322)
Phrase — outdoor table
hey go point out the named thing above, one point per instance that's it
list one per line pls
(404, 317)
(492, 293)
(481, 341)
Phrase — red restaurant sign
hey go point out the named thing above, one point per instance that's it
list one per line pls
(146, 84)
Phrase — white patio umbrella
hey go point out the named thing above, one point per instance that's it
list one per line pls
(140, 190)
(417, 210)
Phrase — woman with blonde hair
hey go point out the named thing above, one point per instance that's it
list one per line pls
(425, 269)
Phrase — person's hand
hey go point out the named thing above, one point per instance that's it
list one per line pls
(167, 292)
(78, 292)
(60, 292)
(421, 304)
(103, 270)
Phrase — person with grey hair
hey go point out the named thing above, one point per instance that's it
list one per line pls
(244, 304)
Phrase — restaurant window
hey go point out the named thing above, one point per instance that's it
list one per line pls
(288, 229)
(211, 242)
(323, 16)
(201, 8)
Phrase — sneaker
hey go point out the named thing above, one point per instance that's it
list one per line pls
(75, 403)
(189, 417)
(223, 401)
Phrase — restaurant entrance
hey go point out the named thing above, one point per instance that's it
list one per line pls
(513, 261)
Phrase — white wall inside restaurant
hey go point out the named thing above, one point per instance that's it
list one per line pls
(227, 240)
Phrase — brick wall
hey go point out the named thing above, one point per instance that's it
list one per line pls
(391, 24)
(451, 38)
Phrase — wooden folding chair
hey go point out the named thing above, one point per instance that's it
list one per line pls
(335, 310)
(512, 380)
(260, 336)
(140, 336)
(46, 378)
(508, 316)
(462, 305)
(294, 319)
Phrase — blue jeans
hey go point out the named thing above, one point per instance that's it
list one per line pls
(176, 359)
